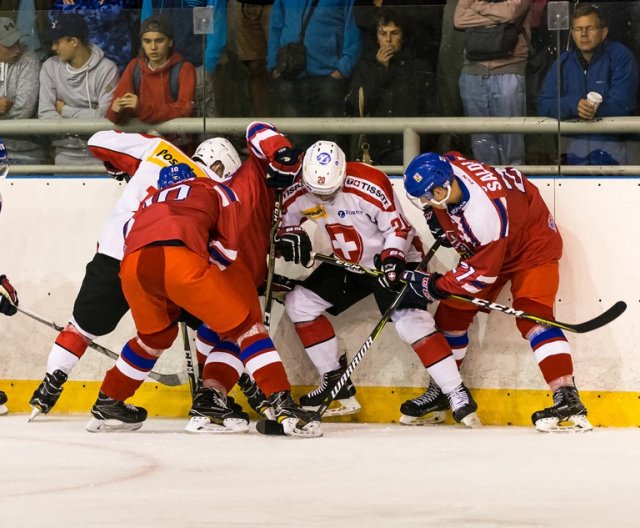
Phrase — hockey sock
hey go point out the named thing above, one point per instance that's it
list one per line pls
(223, 365)
(263, 363)
(552, 352)
(319, 341)
(206, 341)
(459, 344)
(68, 348)
(435, 354)
(132, 367)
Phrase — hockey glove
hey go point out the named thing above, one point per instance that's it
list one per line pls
(294, 245)
(391, 263)
(8, 297)
(434, 226)
(423, 285)
(284, 168)
(116, 173)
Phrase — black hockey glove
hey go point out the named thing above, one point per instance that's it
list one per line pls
(116, 173)
(423, 285)
(284, 168)
(434, 226)
(8, 297)
(391, 262)
(294, 245)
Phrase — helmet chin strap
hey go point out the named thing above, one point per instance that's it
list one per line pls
(442, 203)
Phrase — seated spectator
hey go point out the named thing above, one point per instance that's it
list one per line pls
(594, 64)
(332, 42)
(495, 87)
(78, 82)
(111, 24)
(19, 84)
(189, 45)
(391, 82)
(157, 86)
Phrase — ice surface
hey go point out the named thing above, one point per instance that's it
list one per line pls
(53, 473)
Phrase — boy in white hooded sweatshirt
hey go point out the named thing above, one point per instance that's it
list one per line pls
(78, 82)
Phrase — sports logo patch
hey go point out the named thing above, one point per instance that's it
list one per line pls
(315, 212)
(324, 158)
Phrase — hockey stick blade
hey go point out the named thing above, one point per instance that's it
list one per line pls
(270, 428)
(170, 380)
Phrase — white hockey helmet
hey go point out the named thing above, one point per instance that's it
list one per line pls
(218, 149)
(324, 168)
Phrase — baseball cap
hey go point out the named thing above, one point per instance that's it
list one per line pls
(9, 33)
(68, 25)
(157, 24)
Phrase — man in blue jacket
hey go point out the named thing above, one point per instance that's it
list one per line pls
(332, 42)
(593, 65)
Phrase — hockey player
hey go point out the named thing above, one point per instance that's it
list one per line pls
(356, 206)
(100, 304)
(500, 217)
(181, 252)
(8, 294)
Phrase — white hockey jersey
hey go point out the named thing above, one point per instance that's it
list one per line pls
(142, 157)
(362, 220)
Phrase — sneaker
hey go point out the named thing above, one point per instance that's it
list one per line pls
(345, 401)
(295, 420)
(568, 413)
(47, 393)
(111, 415)
(256, 398)
(463, 406)
(211, 413)
(3, 401)
(429, 408)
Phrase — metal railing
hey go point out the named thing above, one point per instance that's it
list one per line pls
(409, 127)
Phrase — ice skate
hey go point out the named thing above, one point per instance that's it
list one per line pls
(345, 401)
(464, 406)
(3, 401)
(255, 397)
(568, 414)
(212, 413)
(295, 420)
(429, 408)
(111, 415)
(47, 393)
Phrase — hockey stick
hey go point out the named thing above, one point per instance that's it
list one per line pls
(170, 380)
(272, 427)
(579, 328)
(268, 292)
(188, 356)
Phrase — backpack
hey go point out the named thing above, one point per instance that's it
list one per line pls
(174, 75)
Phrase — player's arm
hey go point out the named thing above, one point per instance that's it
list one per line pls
(121, 152)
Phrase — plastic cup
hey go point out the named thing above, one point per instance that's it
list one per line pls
(595, 99)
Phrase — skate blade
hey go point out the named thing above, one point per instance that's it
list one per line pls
(432, 418)
(343, 407)
(111, 426)
(203, 425)
(471, 421)
(573, 424)
(311, 430)
(35, 411)
(3, 409)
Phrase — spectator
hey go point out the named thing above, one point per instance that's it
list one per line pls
(249, 31)
(111, 24)
(496, 87)
(19, 83)
(78, 82)
(157, 86)
(332, 42)
(181, 14)
(594, 64)
(391, 82)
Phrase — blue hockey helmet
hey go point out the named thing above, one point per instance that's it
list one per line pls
(425, 173)
(174, 174)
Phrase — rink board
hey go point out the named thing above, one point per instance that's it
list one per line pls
(48, 229)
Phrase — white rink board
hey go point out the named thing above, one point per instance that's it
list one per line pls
(48, 230)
